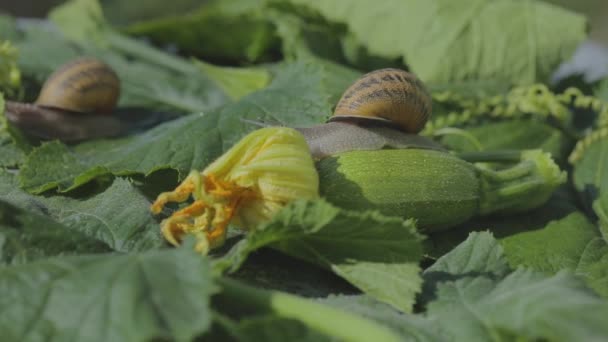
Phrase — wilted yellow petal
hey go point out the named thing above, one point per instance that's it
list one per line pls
(248, 184)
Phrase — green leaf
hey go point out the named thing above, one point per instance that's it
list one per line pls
(236, 82)
(530, 304)
(589, 169)
(122, 13)
(252, 37)
(10, 154)
(26, 236)
(475, 264)
(552, 248)
(443, 41)
(590, 160)
(304, 33)
(119, 216)
(137, 297)
(376, 253)
(562, 203)
(593, 266)
(572, 243)
(600, 207)
(297, 97)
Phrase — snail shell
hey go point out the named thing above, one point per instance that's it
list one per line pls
(85, 85)
(388, 96)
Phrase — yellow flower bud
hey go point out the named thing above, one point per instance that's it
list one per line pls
(247, 185)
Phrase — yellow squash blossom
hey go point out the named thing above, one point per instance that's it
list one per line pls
(247, 185)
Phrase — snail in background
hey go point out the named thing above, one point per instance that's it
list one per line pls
(384, 108)
(75, 103)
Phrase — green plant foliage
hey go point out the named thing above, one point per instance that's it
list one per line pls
(277, 316)
(137, 297)
(118, 216)
(532, 305)
(236, 82)
(26, 236)
(523, 254)
(589, 158)
(179, 144)
(252, 37)
(381, 262)
(10, 153)
(488, 30)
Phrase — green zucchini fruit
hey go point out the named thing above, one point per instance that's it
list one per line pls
(438, 189)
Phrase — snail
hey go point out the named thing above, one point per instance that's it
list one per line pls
(391, 96)
(384, 108)
(75, 103)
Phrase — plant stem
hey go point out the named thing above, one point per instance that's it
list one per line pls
(521, 187)
(324, 319)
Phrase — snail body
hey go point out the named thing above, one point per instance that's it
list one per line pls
(74, 104)
(337, 137)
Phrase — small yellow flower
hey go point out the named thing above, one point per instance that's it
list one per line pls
(247, 185)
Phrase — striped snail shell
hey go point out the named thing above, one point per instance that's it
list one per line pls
(85, 85)
(390, 96)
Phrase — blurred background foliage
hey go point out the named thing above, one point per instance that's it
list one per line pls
(127, 12)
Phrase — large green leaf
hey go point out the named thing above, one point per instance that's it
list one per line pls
(443, 40)
(376, 253)
(572, 243)
(135, 297)
(476, 301)
(27, 236)
(237, 31)
(297, 97)
(550, 239)
(552, 248)
(119, 216)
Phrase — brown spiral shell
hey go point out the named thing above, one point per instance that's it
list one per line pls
(387, 95)
(84, 85)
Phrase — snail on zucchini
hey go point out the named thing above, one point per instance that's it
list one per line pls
(385, 108)
(369, 156)
(75, 103)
